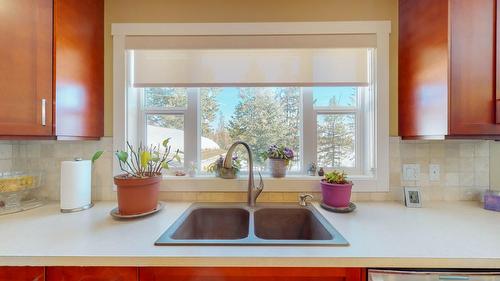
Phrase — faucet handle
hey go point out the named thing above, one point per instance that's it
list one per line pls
(303, 199)
(261, 183)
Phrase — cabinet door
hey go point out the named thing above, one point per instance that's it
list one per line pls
(79, 68)
(26, 68)
(250, 274)
(497, 81)
(472, 68)
(423, 68)
(73, 273)
(22, 273)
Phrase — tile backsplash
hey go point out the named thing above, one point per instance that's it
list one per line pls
(5, 156)
(464, 169)
(46, 156)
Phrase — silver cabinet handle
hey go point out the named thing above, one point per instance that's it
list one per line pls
(44, 112)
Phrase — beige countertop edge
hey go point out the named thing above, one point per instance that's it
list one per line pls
(252, 261)
(381, 234)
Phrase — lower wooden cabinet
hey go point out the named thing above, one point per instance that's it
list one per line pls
(72, 273)
(76, 273)
(22, 273)
(250, 274)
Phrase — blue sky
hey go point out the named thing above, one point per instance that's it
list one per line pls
(227, 99)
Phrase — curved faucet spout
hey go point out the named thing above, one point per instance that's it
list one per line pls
(253, 192)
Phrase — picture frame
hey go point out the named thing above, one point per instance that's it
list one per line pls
(413, 197)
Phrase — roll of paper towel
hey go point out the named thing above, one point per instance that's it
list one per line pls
(76, 185)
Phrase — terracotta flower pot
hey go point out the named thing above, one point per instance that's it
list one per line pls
(278, 167)
(137, 195)
(336, 195)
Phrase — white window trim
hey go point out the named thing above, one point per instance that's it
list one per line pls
(378, 183)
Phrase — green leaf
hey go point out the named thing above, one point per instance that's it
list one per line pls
(97, 155)
(165, 166)
(122, 156)
(177, 157)
(165, 142)
(145, 158)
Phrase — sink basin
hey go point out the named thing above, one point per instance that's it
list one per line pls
(289, 224)
(238, 224)
(214, 223)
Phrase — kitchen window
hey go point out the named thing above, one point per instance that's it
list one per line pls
(318, 94)
(260, 116)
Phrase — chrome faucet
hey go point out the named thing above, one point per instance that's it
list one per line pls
(253, 192)
(303, 199)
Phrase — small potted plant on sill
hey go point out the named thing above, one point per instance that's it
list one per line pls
(139, 184)
(217, 167)
(336, 189)
(279, 158)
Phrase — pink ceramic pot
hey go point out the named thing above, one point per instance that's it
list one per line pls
(336, 195)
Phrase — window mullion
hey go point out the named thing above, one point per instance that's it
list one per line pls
(309, 134)
(336, 111)
(166, 111)
(362, 152)
(141, 121)
(191, 134)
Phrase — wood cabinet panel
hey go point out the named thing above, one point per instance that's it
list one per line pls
(250, 274)
(26, 68)
(423, 67)
(448, 60)
(472, 68)
(79, 68)
(22, 273)
(72, 273)
(53, 63)
(497, 62)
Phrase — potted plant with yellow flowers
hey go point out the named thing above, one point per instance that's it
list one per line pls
(139, 184)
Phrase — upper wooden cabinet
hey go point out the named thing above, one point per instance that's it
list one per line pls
(52, 71)
(26, 67)
(79, 68)
(447, 69)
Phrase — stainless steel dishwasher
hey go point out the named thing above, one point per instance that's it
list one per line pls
(432, 275)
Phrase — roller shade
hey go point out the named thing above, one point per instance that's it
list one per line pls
(217, 67)
(250, 60)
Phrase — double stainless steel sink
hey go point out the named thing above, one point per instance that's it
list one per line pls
(239, 224)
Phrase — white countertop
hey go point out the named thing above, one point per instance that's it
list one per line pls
(383, 234)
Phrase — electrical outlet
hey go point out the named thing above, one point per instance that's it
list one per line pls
(411, 172)
(434, 174)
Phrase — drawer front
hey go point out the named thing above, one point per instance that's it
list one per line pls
(374, 275)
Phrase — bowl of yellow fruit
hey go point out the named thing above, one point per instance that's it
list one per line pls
(19, 191)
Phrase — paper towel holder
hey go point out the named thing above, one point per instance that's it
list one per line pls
(78, 209)
(81, 208)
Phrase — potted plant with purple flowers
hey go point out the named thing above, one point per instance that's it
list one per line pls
(217, 167)
(279, 158)
(336, 189)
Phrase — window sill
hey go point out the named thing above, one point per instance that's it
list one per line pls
(291, 183)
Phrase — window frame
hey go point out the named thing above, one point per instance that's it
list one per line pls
(360, 132)
(378, 182)
(306, 93)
